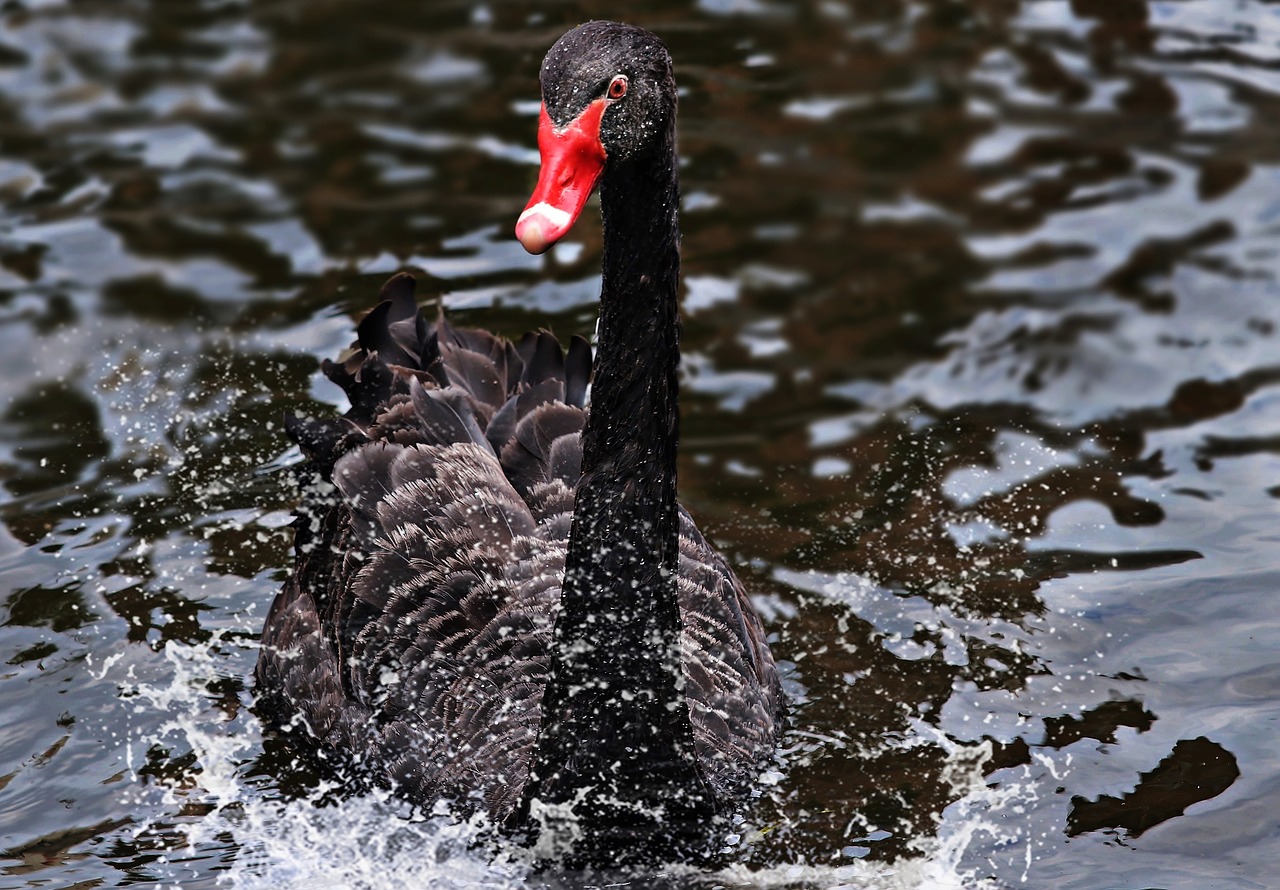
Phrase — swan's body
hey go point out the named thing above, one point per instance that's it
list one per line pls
(496, 600)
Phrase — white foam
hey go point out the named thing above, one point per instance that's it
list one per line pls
(252, 840)
(369, 841)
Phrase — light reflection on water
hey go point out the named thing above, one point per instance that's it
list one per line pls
(980, 313)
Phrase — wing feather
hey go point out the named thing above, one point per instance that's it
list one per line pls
(415, 631)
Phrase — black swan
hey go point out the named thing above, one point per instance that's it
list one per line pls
(496, 600)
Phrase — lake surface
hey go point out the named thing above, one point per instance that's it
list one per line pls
(981, 396)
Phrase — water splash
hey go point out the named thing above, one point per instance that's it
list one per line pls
(237, 831)
(363, 842)
(252, 838)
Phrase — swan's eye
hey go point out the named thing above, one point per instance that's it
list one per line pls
(618, 87)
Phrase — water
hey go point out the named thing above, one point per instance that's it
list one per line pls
(980, 398)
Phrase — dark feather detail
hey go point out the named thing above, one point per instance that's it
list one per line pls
(375, 331)
(577, 372)
(545, 360)
(502, 425)
(529, 457)
(415, 631)
(534, 396)
(447, 415)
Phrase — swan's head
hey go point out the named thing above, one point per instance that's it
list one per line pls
(608, 98)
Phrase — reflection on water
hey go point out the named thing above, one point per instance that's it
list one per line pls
(980, 396)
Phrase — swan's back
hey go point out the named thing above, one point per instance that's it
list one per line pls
(414, 637)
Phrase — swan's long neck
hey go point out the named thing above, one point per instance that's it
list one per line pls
(615, 720)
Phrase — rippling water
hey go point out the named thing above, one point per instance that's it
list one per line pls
(982, 397)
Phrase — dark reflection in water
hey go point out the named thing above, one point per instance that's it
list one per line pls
(1196, 770)
(980, 396)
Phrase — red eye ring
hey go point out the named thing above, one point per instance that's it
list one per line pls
(618, 87)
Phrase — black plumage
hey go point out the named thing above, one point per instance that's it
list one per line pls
(496, 599)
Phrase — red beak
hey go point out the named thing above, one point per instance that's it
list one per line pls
(572, 160)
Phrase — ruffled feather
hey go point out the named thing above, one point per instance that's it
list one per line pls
(414, 635)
